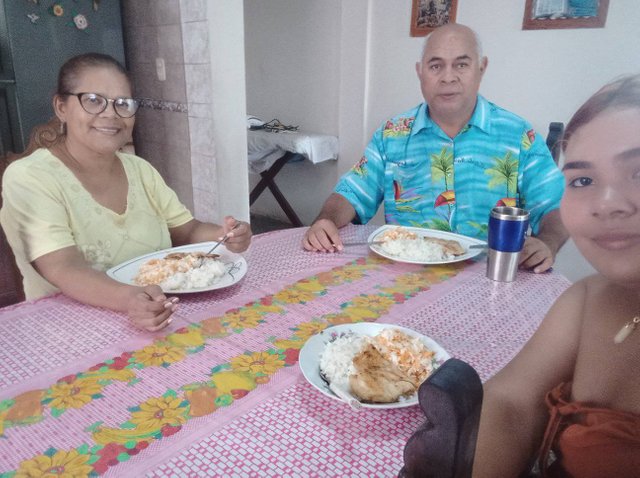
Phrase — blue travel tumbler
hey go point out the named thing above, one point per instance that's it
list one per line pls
(507, 231)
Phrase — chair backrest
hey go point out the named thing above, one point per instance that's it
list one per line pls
(554, 138)
(444, 445)
(10, 278)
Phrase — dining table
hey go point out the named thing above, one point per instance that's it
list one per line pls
(219, 392)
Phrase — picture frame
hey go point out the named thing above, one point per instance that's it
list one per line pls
(426, 15)
(554, 14)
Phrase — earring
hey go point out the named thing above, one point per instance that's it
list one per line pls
(63, 127)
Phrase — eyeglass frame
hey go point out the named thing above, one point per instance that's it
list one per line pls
(106, 105)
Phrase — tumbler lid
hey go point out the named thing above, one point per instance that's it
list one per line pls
(508, 213)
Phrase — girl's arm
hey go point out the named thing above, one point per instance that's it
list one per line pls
(514, 414)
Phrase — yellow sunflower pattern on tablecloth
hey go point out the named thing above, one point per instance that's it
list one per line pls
(158, 412)
(159, 355)
(75, 394)
(62, 463)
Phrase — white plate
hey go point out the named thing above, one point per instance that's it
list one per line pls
(312, 351)
(464, 241)
(235, 265)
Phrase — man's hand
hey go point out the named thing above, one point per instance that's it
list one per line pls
(322, 236)
(539, 252)
(536, 255)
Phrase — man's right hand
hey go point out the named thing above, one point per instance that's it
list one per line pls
(322, 236)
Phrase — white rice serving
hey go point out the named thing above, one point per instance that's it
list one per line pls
(415, 249)
(207, 274)
(408, 245)
(336, 362)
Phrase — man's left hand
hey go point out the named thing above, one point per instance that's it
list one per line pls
(536, 255)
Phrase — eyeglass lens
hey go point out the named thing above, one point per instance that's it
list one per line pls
(96, 104)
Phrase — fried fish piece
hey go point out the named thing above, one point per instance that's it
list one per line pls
(377, 379)
(450, 246)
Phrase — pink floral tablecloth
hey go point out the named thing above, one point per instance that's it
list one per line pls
(220, 392)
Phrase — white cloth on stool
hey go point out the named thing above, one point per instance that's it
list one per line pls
(265, 147)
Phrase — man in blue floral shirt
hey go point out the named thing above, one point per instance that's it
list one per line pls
(446, 163)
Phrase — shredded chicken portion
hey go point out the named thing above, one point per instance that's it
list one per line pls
(154, 271)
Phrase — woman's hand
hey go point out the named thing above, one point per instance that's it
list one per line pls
(239, 234)
(149, 309)
(194, 231)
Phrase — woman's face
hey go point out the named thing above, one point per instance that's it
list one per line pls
(600, 206)
(102, 133)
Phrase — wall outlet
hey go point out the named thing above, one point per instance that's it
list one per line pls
(161, 71)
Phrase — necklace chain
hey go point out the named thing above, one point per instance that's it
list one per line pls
(627, 329)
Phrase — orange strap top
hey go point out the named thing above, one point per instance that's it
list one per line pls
(588, 441)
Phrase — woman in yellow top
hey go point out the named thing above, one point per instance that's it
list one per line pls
(572, 394)
(75, 205)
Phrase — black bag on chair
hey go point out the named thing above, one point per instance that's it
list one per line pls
(444, 445)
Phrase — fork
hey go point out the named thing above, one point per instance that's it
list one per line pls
(224, 238)
(342, 393)
(362, 243)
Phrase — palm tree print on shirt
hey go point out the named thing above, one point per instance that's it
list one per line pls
(505, 172)
(442, 170)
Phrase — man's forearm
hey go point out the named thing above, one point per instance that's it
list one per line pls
(337, 210)
(552, 232)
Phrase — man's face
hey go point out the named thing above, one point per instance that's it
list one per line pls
(450, 73)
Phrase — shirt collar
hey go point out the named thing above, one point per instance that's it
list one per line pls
(479, 118)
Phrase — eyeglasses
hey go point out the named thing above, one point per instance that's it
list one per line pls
(94, 104)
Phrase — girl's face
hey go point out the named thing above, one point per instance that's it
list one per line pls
(600, 206)
(102, 133)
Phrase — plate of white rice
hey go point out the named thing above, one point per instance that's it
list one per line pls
(331, 353)
(408, 244)
(208, 274)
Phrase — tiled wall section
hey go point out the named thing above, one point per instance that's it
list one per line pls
(197, 68)
(172, 132)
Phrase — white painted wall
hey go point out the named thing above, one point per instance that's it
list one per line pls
(543, 75)
(226, 39)
(292, 65)
(292, 58)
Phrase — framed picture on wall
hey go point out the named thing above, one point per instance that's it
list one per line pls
(429, 14)
(552, 14)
